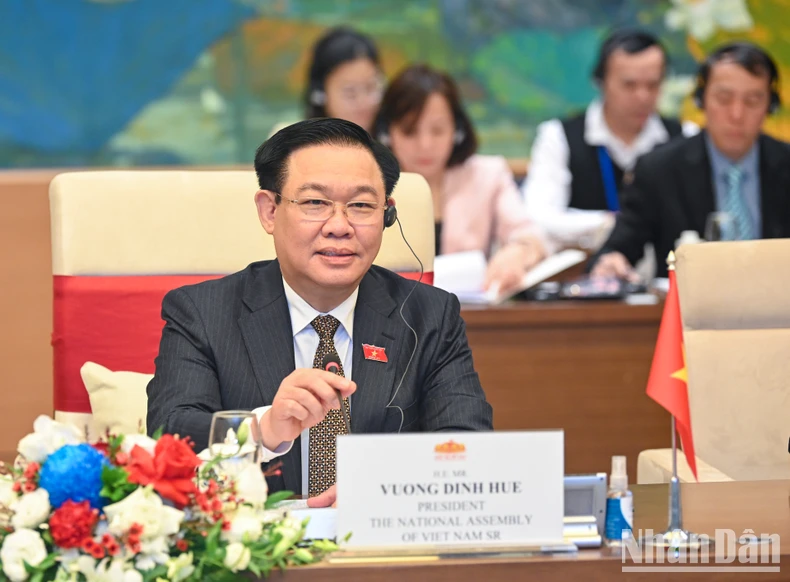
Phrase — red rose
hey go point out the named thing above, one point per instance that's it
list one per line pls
(171, 470)
(71, 523)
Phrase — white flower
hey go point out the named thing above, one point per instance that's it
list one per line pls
(251, 486)
(272, 515)
(106, 571)
(7, 493)
(703, 17)
(237, 557)
(24, 545)
(145, 507)
(144, 562)
(245, 525)
(141, 440)
(153, 552)
(68, 558)
(674, 90)
(733, 14)
(31, 510)
(212, 101)
(47, 437)
(180, 568)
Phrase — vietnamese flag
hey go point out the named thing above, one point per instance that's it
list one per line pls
(668, 382)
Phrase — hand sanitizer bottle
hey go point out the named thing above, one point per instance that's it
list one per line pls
(619, 506)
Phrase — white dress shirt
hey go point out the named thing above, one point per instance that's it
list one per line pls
(547, 189)
(305, 345)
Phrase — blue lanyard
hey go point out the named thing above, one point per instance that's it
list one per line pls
(609, 183)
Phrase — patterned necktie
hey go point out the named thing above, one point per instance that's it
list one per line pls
(735, 205)
(323, 436)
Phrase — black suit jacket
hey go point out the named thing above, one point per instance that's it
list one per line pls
(227, 344)
(673, 191)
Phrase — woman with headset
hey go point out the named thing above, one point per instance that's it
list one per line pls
(476, 202)
(345, 78)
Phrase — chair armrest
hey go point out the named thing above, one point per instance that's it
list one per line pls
(655, 466)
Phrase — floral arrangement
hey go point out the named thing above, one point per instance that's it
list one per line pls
(137, 509)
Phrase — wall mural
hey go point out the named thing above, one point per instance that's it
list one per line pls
(147, 82)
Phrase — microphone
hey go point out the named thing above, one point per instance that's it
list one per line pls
(331, 363)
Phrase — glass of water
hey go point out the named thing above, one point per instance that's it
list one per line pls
(233, 440)
(720, 226)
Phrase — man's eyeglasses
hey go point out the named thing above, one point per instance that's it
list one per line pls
(320, 209)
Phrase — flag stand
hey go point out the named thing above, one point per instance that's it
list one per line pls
(675, 537)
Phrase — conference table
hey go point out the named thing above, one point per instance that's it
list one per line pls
(761, 506)
(581, 366)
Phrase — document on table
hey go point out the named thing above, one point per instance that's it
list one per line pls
(464, 275)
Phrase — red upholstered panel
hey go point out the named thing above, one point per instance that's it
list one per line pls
(427, 277)
(115, 322)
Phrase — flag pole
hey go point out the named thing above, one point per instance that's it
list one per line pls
(675, 537)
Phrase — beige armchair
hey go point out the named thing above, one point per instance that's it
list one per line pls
(735, 306)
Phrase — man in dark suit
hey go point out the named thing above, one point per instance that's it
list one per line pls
(730, 168)
(255, 340)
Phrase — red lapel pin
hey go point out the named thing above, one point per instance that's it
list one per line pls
(374, 353)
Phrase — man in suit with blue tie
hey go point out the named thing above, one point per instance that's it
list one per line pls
(730, 168)
(256, 340)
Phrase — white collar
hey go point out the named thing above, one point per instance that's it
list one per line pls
(302, 313)
(596, 132)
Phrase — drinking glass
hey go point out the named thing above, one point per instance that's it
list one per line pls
(233, 440)
(720, 226)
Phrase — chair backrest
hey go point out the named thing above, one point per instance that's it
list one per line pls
(122, 239)
(735, 309)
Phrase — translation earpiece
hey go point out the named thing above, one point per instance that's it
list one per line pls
(317, 97)
(391, 213)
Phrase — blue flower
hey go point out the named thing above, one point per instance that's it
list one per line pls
(74, 472)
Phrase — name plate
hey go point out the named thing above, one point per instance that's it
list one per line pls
(451, 489)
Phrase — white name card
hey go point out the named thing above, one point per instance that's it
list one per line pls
(450, 489)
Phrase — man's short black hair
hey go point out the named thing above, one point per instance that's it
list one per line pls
(271, 159)
(632, 41)
(748, 56)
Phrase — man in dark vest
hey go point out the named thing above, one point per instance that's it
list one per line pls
(577, 165)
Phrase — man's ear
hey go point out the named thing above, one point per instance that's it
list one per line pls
(265, 201)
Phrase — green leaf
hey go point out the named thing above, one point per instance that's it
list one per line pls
(275, 498)
(116, 484)
(48, 562)
(114, 444)
(159, 571)
(213, 538)
(302, 556)
(158, 433)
